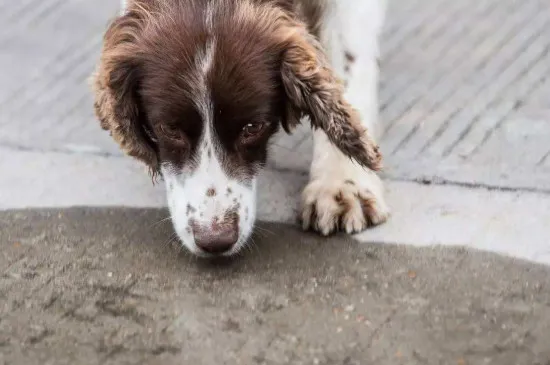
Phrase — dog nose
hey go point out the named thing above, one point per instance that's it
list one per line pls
(219, 236)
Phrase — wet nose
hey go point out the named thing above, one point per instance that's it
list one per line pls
(217, 237)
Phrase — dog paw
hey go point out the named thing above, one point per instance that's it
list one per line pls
(350, 205)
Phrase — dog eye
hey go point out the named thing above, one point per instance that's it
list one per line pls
(172, 132)
(251, 130)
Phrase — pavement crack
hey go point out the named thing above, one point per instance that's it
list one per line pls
(437, 180)
(40, 336)
(380, 326)
(110, 307)
(163, 349)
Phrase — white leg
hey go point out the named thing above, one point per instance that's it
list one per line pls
(341, 195)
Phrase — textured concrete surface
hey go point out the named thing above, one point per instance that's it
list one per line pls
(465, 118)
(105, 286)
(463, 84)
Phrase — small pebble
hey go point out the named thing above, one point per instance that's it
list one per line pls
(350, 308)
(110, 274)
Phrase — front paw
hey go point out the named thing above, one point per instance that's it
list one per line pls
(350, 205)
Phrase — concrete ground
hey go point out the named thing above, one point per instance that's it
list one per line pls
(465, 104)
(105, 286)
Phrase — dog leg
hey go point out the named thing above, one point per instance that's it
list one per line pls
(342, 195)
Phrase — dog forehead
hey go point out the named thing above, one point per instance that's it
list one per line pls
(215, 80)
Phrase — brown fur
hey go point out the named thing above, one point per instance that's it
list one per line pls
(268, 67)
(116, 95)
(314, 90)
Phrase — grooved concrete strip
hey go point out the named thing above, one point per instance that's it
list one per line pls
(461, 81)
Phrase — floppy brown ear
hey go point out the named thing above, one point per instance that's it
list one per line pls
(313, 90)
(116, 84)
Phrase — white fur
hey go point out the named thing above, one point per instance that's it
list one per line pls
(187, 196)
(353, 27)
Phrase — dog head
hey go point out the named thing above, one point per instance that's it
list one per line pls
(196, 90)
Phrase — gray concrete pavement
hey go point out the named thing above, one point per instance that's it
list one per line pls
(105, 286)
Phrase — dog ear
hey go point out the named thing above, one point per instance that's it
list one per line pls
(313, 90)
(116, 84)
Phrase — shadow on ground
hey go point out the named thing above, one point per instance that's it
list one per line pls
(104, 286)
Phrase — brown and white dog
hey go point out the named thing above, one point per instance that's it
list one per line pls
(196, 88)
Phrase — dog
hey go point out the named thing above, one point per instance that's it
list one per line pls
(195, 89)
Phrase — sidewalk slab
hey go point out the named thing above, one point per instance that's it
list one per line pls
(507, 222)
